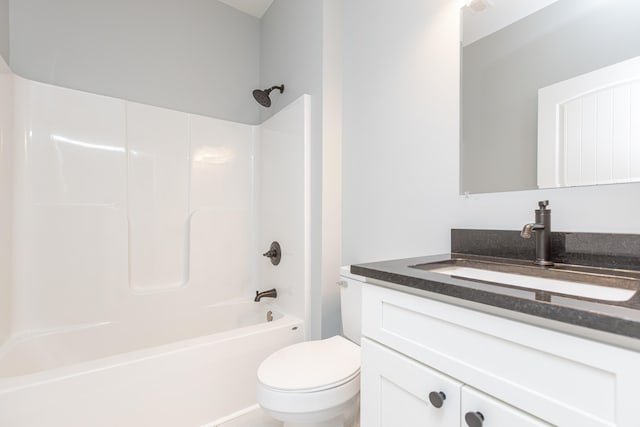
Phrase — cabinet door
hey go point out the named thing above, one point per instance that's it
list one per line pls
(398, 391)
(481, 410)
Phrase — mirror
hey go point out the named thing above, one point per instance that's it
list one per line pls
(513, 49)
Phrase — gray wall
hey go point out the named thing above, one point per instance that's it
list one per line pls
(291, 54)
(197, 56)
(4, 30)
(503, 72)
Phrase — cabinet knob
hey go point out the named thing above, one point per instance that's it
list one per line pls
(437, 398)
(474, 419)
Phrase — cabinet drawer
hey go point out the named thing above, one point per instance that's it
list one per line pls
(562, 379)
(396, 391)
(492, 412)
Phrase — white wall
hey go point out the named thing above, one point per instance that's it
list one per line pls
(6, 196)
(331, 165)
(401, 118)
(197, 56)
(400, 128)
(299, 50)
(599, 209)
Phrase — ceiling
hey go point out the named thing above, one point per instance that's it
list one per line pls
(256, 8)
(497, 14)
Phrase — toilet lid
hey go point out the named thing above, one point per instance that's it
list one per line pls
(311, 365)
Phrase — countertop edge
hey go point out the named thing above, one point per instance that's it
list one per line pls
(398, 275)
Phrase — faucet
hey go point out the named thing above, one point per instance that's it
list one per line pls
(542, 228)
(274, 253)
(271, 293)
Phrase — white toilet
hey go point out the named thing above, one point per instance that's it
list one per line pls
(317, 383)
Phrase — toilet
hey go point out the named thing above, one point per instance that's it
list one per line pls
(317, 383)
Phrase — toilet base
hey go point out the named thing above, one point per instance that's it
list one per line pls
(337, 422)
(345, 415)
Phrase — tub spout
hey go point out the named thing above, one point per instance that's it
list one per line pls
(271, 293)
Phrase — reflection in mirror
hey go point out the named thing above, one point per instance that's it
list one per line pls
(510, 53)
(589, 128)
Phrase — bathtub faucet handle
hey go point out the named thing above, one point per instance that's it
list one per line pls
(271, 293)
(271, 253)
(274, 253)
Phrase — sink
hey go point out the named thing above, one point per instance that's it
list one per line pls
(577, 281)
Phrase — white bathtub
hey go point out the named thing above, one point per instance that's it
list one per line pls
(174, 372)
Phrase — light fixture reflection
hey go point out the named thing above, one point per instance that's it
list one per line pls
(214, 155)
(478, 5)
(83, 144)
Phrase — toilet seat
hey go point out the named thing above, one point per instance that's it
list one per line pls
(329, 401)
(311, 366)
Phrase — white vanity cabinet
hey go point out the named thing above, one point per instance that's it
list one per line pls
(512, 373)
(398, 388)
(403, 392)
(479, 409)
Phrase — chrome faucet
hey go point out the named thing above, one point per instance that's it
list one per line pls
(542, 228)
(271, 293)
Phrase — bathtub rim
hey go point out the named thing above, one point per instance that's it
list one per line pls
(19, 382)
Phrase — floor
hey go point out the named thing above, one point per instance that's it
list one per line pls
(256, 418)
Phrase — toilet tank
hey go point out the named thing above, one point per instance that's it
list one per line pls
(351, 304)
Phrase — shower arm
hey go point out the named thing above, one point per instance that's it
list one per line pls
(280, 88)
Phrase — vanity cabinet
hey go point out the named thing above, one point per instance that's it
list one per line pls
(403, 392)
(395, 391)
(479, 409)
(511, 372)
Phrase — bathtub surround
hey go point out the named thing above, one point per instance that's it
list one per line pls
(126, 213)
(116, 201)
(170, 54)
(283, 202)
(178, 56)
(124, 207)
(6, 197)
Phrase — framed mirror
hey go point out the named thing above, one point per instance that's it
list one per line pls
(514, 51)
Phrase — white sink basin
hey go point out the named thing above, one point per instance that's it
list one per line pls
(577, 289)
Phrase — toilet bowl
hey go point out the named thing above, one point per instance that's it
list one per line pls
(314, 383)
(317, 383)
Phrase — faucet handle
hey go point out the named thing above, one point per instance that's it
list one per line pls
(543, 204)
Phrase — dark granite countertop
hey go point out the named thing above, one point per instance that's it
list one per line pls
(614, 323)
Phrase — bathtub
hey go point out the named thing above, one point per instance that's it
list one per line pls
(174, 372)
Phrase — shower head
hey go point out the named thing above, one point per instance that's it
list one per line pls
(262, 96)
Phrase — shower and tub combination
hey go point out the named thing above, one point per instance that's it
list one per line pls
(131, 374)
(136, 245)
